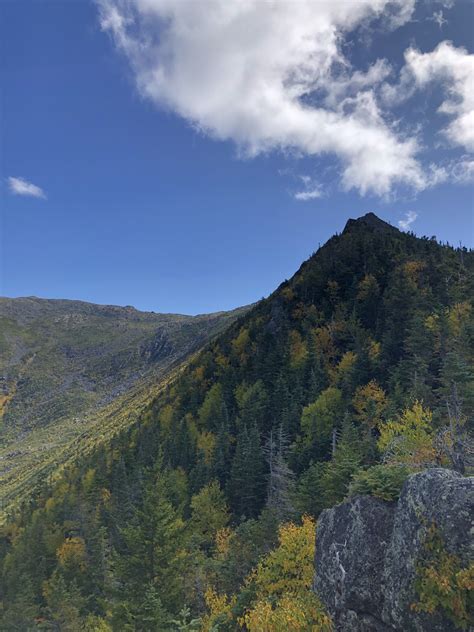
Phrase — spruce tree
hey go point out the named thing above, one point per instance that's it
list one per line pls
(247, 480)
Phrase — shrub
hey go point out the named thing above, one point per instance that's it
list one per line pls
(442, 583)
(381, 481)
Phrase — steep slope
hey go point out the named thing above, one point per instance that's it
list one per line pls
(277, 417)
(64, 363)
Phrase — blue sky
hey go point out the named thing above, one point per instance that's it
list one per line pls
(145, 164)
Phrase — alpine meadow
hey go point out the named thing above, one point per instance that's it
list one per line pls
(237, 316)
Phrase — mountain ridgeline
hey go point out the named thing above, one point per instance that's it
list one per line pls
(67, 367)
(201, 515)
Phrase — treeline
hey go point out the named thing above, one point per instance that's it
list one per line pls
(201, 516)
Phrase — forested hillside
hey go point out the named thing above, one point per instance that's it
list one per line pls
(201, 516)
(64, 367)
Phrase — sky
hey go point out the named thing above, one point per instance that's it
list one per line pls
(188, 156)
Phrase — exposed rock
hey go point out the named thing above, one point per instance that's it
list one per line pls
(342, 581)
(437, 496)
(367, 551)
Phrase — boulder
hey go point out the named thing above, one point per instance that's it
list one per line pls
(367, 551)
(440, 497)
(351, 543)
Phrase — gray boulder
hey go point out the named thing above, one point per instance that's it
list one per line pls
(367, 551)
(437, 496)
(351, 542)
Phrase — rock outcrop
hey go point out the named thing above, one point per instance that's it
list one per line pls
(367, 551)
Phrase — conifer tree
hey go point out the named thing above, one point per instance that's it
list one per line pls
(153, 549)
(247, 480)
(344, 464)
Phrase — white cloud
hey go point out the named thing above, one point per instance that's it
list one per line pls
(457, 171)
(438, 18)
(352, 83)
(270, 76)
(308, 194)
(462, 171)
(410, 217)
(311, 190)
(453, 68)
(20, 186)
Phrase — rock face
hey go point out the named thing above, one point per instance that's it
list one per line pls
(437, 496)
(367, 551)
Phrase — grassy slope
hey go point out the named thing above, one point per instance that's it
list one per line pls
(72, 373)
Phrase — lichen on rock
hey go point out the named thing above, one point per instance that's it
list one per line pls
(368, 552)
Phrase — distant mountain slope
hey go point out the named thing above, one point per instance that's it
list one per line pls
(63, 363)
(346, 377)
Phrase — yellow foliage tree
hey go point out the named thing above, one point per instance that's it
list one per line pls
(344, 369)
(409, 440)
(459, 316)
(442, 583)
(223, 540)
(413, 271)
(241, 344)
(206, 442)
(72, 553)
(282, 582)
(219, 610)
(324, 344)
(209, 512)
(298, 350)
(367, 287)
(369, 403)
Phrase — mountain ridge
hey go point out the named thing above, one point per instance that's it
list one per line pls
(71, 302)
(63, 362)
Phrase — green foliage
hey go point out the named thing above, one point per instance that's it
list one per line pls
(64, 603)
(63, 364)
(320, 418)
(209, 513)
(443, 583)
(153, 550)
(212, 414)
(342, 467)
(247, 478)
(310, 495)
(170, 497)
(185, 623)
(382, 481)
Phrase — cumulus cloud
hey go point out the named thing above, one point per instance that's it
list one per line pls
(410, 217)
(451, 67)
(271, 76)
(20, 186)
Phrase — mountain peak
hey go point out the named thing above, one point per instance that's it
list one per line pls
(369, 220)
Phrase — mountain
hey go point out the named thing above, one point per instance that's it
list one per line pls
(351, 376)
(66, 365)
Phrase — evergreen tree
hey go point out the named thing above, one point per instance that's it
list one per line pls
(248, 474)
(342, 467)
(153, 551)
